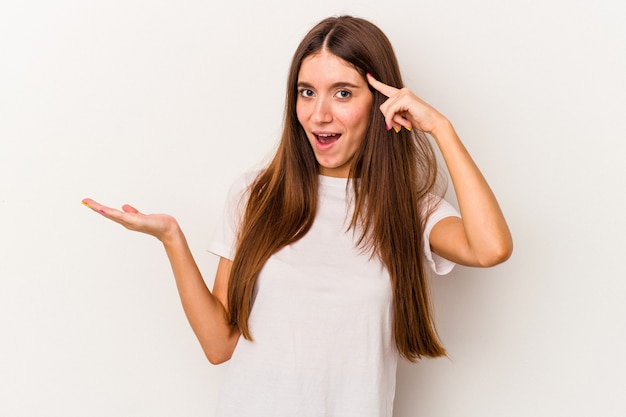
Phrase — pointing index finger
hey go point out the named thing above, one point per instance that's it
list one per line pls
(381, 87)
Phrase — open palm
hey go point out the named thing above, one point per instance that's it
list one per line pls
(161, 226)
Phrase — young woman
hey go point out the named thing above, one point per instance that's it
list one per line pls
(322, 280)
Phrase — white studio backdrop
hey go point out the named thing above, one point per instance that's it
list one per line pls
(162, 104)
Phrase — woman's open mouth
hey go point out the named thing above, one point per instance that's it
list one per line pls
(326, 140)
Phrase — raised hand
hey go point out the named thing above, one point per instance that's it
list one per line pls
(404, 109)
(481, 237)
(162, 226)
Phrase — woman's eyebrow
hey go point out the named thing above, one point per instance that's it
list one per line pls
(339, 84)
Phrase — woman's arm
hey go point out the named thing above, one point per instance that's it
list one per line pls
(481, 236)
(205, 311)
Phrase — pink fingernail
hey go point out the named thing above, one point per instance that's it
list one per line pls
(387, 127)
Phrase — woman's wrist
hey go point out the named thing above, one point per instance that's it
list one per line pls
(442, 128)
(172, 234)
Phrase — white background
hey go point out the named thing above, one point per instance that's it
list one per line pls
(162, 104)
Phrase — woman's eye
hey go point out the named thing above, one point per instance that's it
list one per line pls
(305, 92)
(343, 94)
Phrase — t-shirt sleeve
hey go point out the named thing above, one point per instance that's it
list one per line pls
(224, 238)
(438, 264)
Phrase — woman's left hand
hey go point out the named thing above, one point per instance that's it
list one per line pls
(481, 237)
(404, 109)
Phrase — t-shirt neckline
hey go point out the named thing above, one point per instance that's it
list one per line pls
(333, 181)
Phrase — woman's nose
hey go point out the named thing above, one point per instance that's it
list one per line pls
(322, 112)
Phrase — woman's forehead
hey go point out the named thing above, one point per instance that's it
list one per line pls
(326, 65)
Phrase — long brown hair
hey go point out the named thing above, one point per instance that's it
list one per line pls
(392, 176)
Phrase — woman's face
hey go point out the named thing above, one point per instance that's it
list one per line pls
(333, 107)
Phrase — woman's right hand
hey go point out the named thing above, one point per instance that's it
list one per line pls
(205, 311)
(162, 226)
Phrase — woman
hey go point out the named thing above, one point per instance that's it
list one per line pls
(322, 282)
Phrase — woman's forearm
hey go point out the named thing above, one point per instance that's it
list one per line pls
(487, 233)
(205, 312)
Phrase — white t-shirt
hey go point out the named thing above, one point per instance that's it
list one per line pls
(321, 321)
